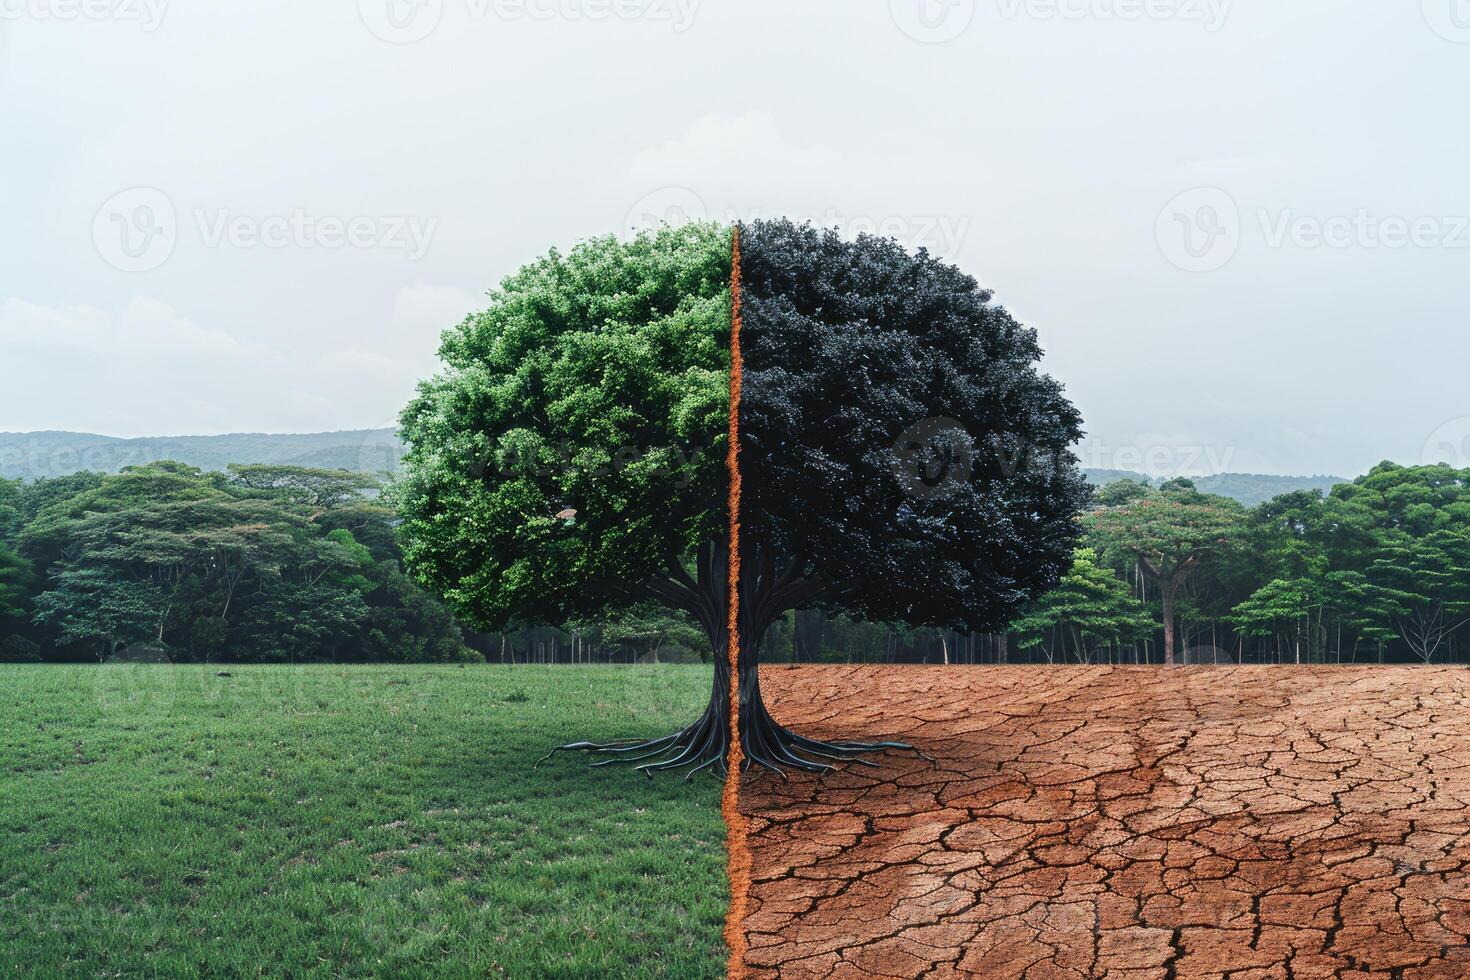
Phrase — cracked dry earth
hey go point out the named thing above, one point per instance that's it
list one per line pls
(1245, 822)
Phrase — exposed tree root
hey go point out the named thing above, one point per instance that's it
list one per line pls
(704, 746)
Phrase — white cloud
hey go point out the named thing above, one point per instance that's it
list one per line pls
(720, 153)
(148, 370)
(393, 359)
(1037, 154)
(142, 369)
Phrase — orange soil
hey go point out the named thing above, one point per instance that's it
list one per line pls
(1119, 822)
(737, 828)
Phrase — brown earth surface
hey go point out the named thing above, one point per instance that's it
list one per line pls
(1245, 822)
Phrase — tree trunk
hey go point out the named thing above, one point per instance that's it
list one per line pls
(1166, 595)
(766, 593)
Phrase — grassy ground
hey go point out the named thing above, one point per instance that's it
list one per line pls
(349, 821)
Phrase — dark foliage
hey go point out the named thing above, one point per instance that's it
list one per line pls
(902, 445)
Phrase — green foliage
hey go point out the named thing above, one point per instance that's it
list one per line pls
(1169, 533)
(569, 449)
(1091, 603)
(263, 563)
(1274, 605)
(15, 582)
(1413, 525)
(96, 605)
(303, 485)
(650, 628)
(1120, 492)
(15, 649)
(1249, 489)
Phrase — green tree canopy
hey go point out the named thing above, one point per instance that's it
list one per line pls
(1169, 532)
(571, 456)
(568, 464)
(1091, 604)
(212, 565)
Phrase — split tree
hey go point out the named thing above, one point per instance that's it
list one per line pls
(903, 459)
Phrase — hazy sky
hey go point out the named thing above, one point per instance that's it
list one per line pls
(1240, 227)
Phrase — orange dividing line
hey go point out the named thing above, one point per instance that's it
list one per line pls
(737, 829)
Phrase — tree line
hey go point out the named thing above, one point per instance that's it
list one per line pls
(266, 563)
(1376, 570)
(258, 563)
(1372, 571)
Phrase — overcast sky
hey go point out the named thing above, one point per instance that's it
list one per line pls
(1240, 227)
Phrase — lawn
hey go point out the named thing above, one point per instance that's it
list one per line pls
(349, 821)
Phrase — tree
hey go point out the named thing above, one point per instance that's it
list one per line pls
(15, 582)
(902, 457)
(1411, 526)
(10, 509)
(220, 566)
(15, 572)
(1170, 532)
(649, 628)
(89, 605)
(1278, 606)
(315, 488)
(1119, 492)
(1090, 603)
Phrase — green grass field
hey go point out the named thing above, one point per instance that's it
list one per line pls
(348, 821)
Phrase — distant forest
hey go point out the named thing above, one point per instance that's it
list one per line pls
(274, 560)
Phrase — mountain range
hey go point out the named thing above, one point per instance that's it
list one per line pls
(33, 455)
